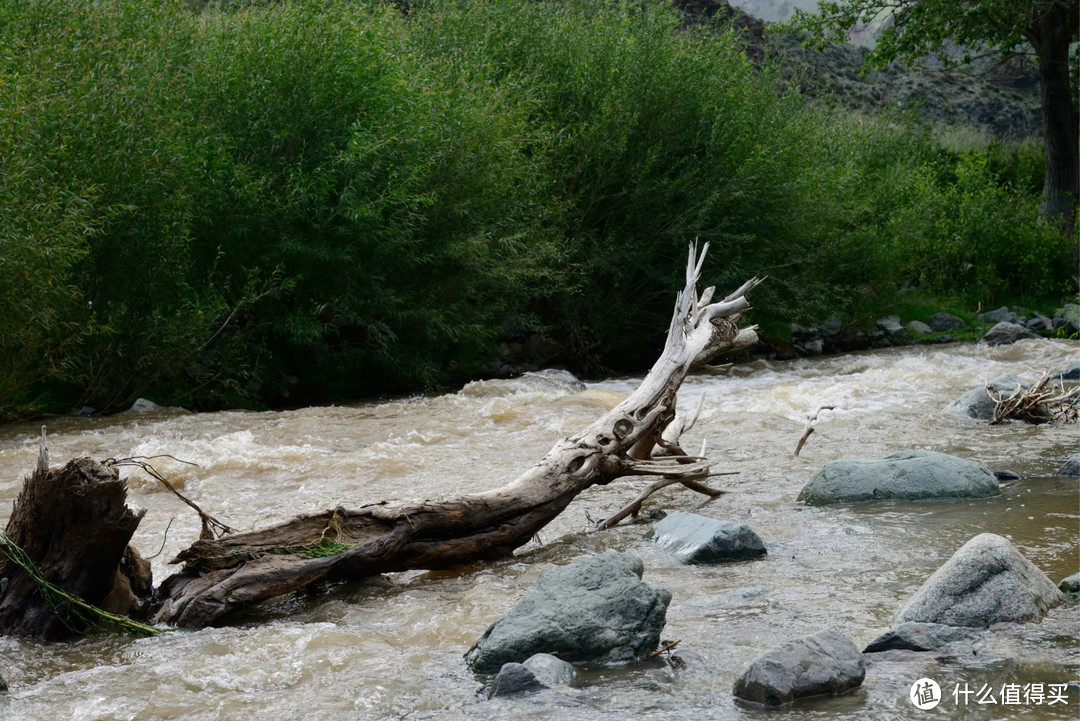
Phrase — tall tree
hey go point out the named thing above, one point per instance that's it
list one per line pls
(913, 29)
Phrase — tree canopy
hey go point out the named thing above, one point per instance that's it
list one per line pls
(914, 29)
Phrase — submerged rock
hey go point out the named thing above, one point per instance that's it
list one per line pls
(697, 539)
(1072, 373)
(908, 475)
(1005, 333)
(976, 403)
(915, 636)
(549, 670)
(824, 663)
(1071, 467)
(515, 679)
(999, 315)
(597, 610)
(987, 581)
(1070, 584)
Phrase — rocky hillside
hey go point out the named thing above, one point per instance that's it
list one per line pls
(1002, 100)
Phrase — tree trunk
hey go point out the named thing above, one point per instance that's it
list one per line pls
(638, 437)
(1050, 35)
(72, 525)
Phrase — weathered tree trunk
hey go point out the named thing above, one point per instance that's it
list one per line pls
(637, 437)
(72, 524)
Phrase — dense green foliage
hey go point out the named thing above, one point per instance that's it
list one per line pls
(316, 200)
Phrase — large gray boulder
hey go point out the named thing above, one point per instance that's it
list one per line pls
(907, 475)
(976, 403)
(987, 581)
(1005, 333)
(825, 663)
(597, 610)
(697, 539)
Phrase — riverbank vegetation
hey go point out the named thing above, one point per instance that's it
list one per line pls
(308, 201)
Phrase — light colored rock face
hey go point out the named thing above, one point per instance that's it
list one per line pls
(597, 610)
(825, 663)
(987, 581)
(697, 539)
(551, 671)
(908, 475)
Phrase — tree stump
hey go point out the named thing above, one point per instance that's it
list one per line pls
(73, 525)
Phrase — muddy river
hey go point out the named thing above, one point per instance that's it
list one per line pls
(391, 646)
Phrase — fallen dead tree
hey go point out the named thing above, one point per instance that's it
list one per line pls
(638, 437)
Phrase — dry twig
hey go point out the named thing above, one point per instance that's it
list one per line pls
(809, 428)
(1037, 404)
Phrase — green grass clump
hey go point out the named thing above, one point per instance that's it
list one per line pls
(75, 613)
(275, 203)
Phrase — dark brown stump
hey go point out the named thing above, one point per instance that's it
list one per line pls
(74, 525)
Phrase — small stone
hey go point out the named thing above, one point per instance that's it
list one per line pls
(996, 316)
(945, 321)
(1005, 333)
(549, 670)
(695, 539)
(913, 636)
(824, 663)
(1008, 476)
(890, 326)
(832, 325)
(918, 328)
(515, 679)
(1071, 466)
(142, 405)
(1070, 584)
(1072, 373)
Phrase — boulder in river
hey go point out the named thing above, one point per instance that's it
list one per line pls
(824, 663)
(597, 610)
(1071, 467)
(697, 539)
(976, 403)
(1005, 333)
(987, 581)
(915, 636)
(907, 475)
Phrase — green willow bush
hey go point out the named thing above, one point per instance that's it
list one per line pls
(306, 200)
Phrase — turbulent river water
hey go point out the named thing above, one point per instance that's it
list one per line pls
(392, 646)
